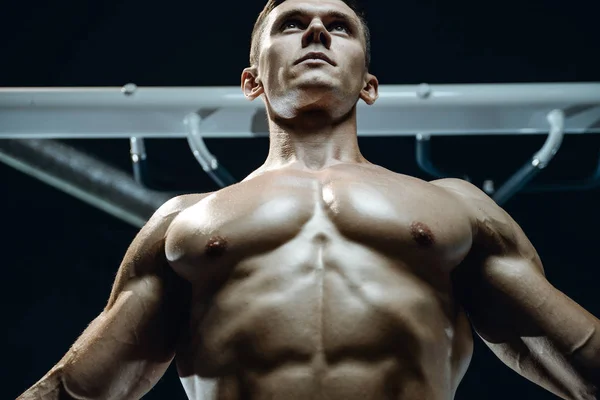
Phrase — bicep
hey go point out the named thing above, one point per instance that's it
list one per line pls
(503, 284)
(492, 295)
(127, 347)
(529, 324)
(131, 343)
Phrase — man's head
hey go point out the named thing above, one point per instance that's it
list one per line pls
(259, 27)
(310, 54)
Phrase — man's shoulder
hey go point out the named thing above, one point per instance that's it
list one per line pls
(489, 218)
(455, 185)
(461, 187)
(165, 214)
(479, 205)
(182, 202)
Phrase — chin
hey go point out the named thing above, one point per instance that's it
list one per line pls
(317, 87)
(310, 99)
(316, 93)
(314, 99)
(316, 80)
(311, 92)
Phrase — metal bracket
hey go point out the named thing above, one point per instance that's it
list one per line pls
(139, 164)
(209, 163)
(590, 182)
(540, 160)
(137, 150)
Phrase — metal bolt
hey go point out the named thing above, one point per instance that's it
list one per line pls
(424, 91)
(129, 89)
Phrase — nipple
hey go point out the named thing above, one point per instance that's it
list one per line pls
(216, 246)
(422, 234)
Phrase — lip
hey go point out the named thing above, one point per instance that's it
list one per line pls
(315, 56)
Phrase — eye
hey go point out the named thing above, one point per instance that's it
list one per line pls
(339, 27)
(290, 24)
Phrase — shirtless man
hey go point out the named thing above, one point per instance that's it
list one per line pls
(322, 275)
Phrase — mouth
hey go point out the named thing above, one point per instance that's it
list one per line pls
(315, 56)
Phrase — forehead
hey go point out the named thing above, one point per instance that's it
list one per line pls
(313, 7)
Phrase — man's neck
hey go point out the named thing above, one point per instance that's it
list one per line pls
(313, 141)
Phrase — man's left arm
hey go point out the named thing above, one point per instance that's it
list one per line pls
(529, 324)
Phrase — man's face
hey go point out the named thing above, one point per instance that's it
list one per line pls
(330, 34)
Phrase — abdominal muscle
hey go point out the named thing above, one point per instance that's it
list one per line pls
(323, 319)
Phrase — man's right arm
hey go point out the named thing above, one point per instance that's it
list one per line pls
(128, 347)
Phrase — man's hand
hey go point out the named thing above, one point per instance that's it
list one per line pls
(128, 347)
(529, 324)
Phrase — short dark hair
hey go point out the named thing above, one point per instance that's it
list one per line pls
(259, 27)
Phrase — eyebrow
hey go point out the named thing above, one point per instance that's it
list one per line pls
(298, 12)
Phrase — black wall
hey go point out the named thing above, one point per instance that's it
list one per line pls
(60, 256)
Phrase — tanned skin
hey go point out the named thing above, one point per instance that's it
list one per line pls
(322, 275)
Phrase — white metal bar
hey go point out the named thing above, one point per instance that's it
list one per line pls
(228, 96)
(155, 112)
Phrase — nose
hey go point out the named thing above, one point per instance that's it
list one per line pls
(316, 33)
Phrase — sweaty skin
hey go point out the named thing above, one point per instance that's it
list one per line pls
(322, 276)
(334, 284)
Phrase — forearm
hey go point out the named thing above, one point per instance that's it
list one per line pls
(584, 355)
(50, 387)
(562, 338)
(53, 386)
(574, 332)
(106, 362)
(539, 361)
(76, 380)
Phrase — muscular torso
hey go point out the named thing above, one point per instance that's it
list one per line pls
(331, 284)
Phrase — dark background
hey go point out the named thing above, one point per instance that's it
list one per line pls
(60, 256)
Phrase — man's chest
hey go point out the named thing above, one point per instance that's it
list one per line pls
(401, 218)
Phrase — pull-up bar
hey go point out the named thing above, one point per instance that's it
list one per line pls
(160, 112)
(222, 112)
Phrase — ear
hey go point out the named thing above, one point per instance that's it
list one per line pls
(370, 92)
(251, 85)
